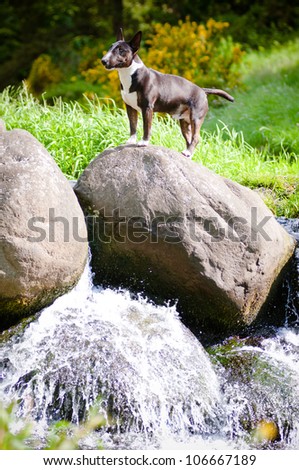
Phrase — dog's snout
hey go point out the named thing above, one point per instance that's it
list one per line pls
(104, 61)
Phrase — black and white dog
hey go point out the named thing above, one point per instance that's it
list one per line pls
(147, 91)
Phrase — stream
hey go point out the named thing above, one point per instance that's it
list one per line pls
(154, 382)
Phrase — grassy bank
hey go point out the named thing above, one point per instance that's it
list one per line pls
(266, 109)
(75, 134)
(266, 113)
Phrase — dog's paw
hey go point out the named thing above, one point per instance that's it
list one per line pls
(143, 143)
(132, 140)
(187, 154)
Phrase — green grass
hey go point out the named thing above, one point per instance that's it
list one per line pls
(266, 111)
(266, 115)
(241, 149)
(72, 133)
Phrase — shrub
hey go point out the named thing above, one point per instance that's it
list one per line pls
(19, 434)
(200, 53)
(43, 73)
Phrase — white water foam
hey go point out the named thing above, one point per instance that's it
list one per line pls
(152, 375)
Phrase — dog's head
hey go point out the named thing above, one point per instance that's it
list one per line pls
(121, 54)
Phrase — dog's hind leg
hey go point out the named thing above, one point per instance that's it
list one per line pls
(195, 129)
(186, 131)
(198, 110)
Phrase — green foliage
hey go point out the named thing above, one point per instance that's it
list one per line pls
(33, 27)
(11, 439)
(200, 53)
(252, 23)
(17, 434)
(43, 73)
(258, 23)
(75, 90)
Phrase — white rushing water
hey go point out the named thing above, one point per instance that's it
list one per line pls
(148, 374)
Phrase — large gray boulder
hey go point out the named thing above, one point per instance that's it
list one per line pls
(43, 244)
(167, 227)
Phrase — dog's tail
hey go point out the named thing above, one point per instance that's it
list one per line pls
(214, 91)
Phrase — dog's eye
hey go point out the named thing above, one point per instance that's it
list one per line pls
(121, 51)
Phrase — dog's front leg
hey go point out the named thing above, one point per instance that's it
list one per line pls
(147, 115)
(133, 119)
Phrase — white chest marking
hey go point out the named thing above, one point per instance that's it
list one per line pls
(130, 99)
(125, 76)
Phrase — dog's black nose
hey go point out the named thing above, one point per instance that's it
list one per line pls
(104, 62)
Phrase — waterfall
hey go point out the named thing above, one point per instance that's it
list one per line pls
(150, 376)
(148, 371)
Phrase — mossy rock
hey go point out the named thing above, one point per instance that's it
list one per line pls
(261, 387)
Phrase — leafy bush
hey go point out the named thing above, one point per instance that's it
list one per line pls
(200, 53)
(12, 439)
(43, 73)
(18, 434)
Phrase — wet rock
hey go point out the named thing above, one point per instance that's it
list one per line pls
(259, 380)
(43, 246)
(172, 229)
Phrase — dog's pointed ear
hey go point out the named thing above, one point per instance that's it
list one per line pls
(135, 41)
(120, 35)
